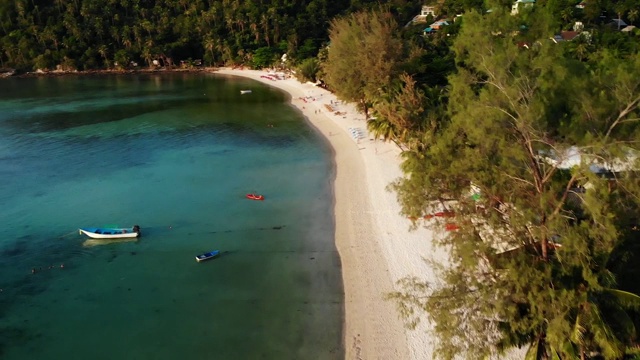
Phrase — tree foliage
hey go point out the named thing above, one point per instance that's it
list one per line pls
(218, 31)
(406, 115)
(363, 56)
(308, 70)
(531, 260)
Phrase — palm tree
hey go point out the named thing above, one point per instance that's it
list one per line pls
(540, 349)
(593, 317)
(264, 24)
(593, 326)
(402, 114)
(633, 15)
(147, 53)
(581, 50)
(567, 14)
(385, 129)
(210, 45)
(103, 51)
(619, 9)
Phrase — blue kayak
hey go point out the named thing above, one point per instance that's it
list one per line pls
(207, 256)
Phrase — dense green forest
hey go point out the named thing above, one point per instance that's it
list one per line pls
(98, 34)
(488, 107)
(95, 34)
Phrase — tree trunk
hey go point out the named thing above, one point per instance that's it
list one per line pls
(619, 16)
(544, 245)
(365, 108)
(544, 242)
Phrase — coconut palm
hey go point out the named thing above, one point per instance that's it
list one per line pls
(385, 129)
(210, 45)
(104, 52)
(592, 329)
(632, 15)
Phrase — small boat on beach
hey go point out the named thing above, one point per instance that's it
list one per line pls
(111, 233)
(255, 197)
(207, 256)
(445, 214)
(451, 227)
(242, 92)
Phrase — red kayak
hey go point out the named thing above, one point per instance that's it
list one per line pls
(255, 197)
(451, 227)
(446, 214)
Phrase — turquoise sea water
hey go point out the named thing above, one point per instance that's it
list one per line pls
(175, 154)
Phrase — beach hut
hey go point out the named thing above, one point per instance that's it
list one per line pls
(428, 31)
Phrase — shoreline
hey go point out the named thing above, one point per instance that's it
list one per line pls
(373, 240)
(58, 73)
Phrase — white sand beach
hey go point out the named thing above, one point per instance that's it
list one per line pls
(374, 242)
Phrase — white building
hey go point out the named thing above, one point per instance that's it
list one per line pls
(428, 10)
(519, 4)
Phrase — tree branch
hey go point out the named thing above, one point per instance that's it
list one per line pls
(628, 109)
(567, 189)
(519, 179)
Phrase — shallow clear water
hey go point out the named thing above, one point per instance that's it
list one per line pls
(174, 153)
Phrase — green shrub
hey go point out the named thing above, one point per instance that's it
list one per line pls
(308, 70)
